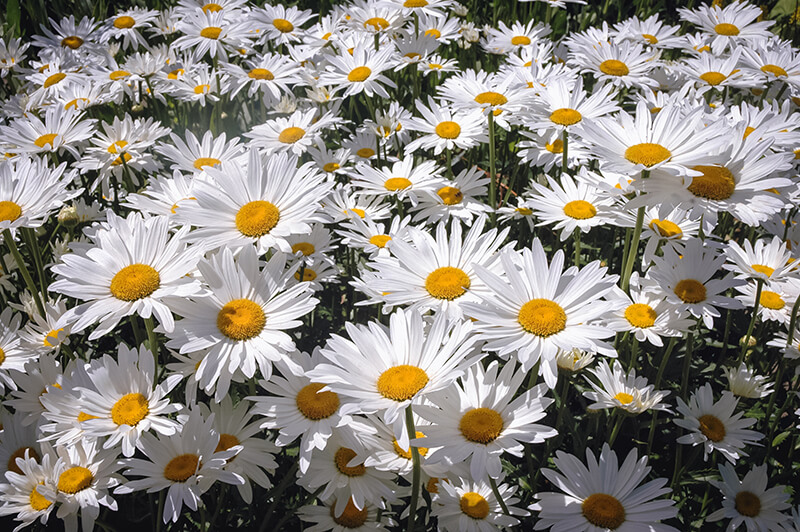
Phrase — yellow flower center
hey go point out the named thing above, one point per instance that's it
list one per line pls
(115, 147)
(556, 147)
(361, 213)
(44, 140)
(450, 195)
(580, 210)
(724, 28)
(283, 25)
(379, 240)
(520, 40)
(211, 32)
(775, 70)
(241, 319)
(366, 153)
(542, 317)
(432, 486)
(524, 211)
(308, 274)
(491, 98)
(713, 78)
(135, 282)
(130, 409)
(397, 183)
(200, 162)
(2, 356)
(603, 511)
(448, 129)
(474, 505)
(690, 291)
(9, 211)
(433, 32)
(180, 468)
(748, 504)
(481, 425)
(330, 167)
(624, 398)
(306, 248)
(712, 428)
(53, 79)
(211, 7)
(343, 457)
(665, 228)
(20, 453)
(406, 453)
(377, 23)
(175, 73)
(73, 41)
(118, 74)
(359, 74)
(614, 67)
(38, 501)
(257, 218)
(351, 517)
(124, 22)
(647, 154)
(766, 270)
(261, 73)
(316, 405)
(290, 135)
(74, 479)
(202, 89)
(83, 416)
(226, 441)
(447, 282)
(74, 103)
(640, 315)
(772, 300)
(565, 116)
(401, 383)
(415, 3)
(716, 183)
(650, 38)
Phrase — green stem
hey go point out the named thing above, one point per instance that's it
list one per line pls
(687, 363)
(415, 478)
(615, 430)
(23, 269)
(276, 494)
(576, 241)
(159, 519)
(565, 140)
(152, 339)
(492, 172)
(633, 250)
(497, 496)
(31, 241)
(746, 344)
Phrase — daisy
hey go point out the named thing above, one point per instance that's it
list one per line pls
(194, 156)
(772, 63)
(132, 266)
(573, 360)
(744, 382)
(651, 32)
(241, 323)
(624, 391)
(403, 180)
(76, 40)
(261, 203)
(281, 24)
(213, 32)
(715, 425)
(312, 248)
(20, 494)
(774, 303)
(186, 464)
(546, 150)
(563, 104)
(505, 40)
(481, 419)
(625, 64)
(443, 128)
(467, 505)
(163, 196)
(709, 72)
(360, 71)
(386, 369)
(14, 355)
(123, 403)
(62, 129)
(127, 24)
(12, 53)
(604, 495)
(367, 519)
(344, 204)
(491, 93)
(296, 133)
(273, 75)
(17, 442)
(199, 85)
(458, 199)
(768, 260)
(372, 237)
(748, 501)
(322, 270)
(538, 309)
(669, 228)
(729, 25)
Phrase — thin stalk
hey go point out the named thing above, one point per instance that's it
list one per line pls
(576, 242)
(415, 478)
(159, 519)
(492, 172)
(633, 250)
(615, 430)
(30, 240)
(565, 140)
(23, 269)
(497, 496)
(288, 479)
(749, 334)
(687, 362)
(152, 339)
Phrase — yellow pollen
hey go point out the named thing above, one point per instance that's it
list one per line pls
(351, 516)
(124, 22)
(241, 319)
(316, 405)
(326, 36)
(724, 28)
(401, 383)
(491, 98)
(283, 25)
(74, 103)
(118, 75)
(651, 39)
(20, 453)
(200, 162)
(655, 110)
(640, 315)
(124, 158)
(665, 228)
(366, 153)
(330, 167)
(772, 300)
(343, 457)
(524, 211)
(397, 183)
(38, 501)
(175, 73)
(433, 32)
(542, 317)
(412, 55)
(135, 282)
(379, 240)
(211, 32)
(180, 468)
(448, 129)
(115, 148)
(435, 66)
(130, 409)
(377, 23)
(716, 183)
(308, 274)
(481, 425)
(359, 74)
(9, 211)
(775, 70)
(360, 212)
(747, 131)
(614, 67)
(766, 270)
(83, 416)
(556, 147)
(624, 398)
(226, 441)
(407, 452)
(306, 248)
(290, 135)
(447, 282)
(647, 154)
(415, 3)
(73, 41)
(748, 504)
(474, 505)
(74, 479)
(257, 218)
(580, 210)
(450, 195)
(713, 78)
(603, 511)
(712, 428)
(53, 79)
(211, 7)
(261, 73)
(432, 486)
(565, 116)
(202, 89)
(52, 335)
(520, 40)
(44, 140)
(690, 291)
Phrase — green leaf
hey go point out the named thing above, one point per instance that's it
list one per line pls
(13, 16)
(779, 438)
(783, 7)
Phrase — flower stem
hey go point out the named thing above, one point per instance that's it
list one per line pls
(152, 339)
(615, 430)
(497, 496)
(23, 269)
(687, 363)
(415, 478)
(492, 172)
(633, 250)
(749, 334)
(565, 140)
(576, 242)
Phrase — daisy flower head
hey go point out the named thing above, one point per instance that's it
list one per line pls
(124, 403)
(373, 237)
(624, 391)
(744, 382)
(386, 369)
(193, 155)
(768, 260)
(774, 302)
(261, 201)
(506, 40)
(536, 308)
(651, 32)
(490, 93)
(573, 360)
(241, 323)
(77, 40)
(604, 495)
(186, 464)
(21, 495)
(12, 53)
(707, 72)
(17, 442)
(133, 266)
(163, 196)
(457, 199)
(564, 103)
(715, 425)
(127, 24)
(273, 75)
(730, 25)
(213, 32)
(772, 62)
(444, 128)
(470, 505)
(624, 64)
(749, 502)
(62, 129)
(297, 133)
(546, 150)
(481, 419)
(360, 71)
(669, 227)
(403, 180)
(344, 204)
(281, 24)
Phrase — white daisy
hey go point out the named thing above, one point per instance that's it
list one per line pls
(624, 391)
(748, 501)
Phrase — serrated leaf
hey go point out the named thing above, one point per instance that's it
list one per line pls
(779, 438)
